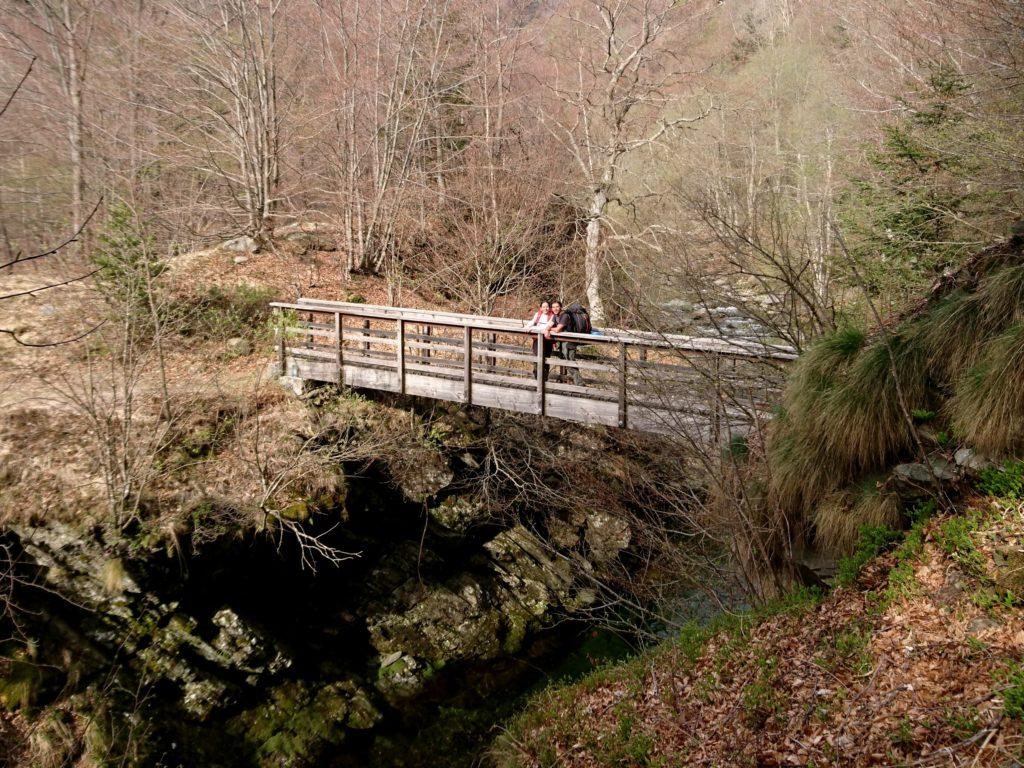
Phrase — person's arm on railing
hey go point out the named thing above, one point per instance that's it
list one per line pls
(553, 329)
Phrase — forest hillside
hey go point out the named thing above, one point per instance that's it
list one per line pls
(206, 562)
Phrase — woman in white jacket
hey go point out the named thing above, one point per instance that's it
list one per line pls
(542, 320)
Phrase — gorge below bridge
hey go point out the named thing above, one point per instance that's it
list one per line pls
(704, 388)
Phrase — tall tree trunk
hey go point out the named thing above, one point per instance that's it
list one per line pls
(592, 260)
(75, 119)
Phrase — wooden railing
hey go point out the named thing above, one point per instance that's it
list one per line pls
(645, 381)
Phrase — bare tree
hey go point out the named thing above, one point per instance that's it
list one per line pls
(232, 100)
(613, 97)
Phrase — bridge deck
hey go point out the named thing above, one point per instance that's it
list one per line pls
(704, 388)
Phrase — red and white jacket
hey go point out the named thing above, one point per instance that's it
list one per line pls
(541, 321)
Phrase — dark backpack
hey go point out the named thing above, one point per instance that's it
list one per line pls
(579, 319)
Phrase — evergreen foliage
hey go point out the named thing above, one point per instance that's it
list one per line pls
(126, 266)
(906, 214)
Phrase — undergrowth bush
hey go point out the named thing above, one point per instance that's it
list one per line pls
(223, 313)
(1005, 482)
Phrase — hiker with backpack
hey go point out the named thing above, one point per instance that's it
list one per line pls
(574, 319)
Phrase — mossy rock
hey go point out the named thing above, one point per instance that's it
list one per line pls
(298, 722)
(298, 511)
(1009, 570)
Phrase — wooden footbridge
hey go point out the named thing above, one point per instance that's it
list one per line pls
(705, 388)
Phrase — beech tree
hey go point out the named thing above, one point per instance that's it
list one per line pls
(612, 97)
(231, 100)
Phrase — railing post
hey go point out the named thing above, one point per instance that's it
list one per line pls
(338, 328)
(426, 331)
(366, 329)
(401, 355)
(540, 374)
(280, 343)
(467, 365)
(622, 384)
(716, 422)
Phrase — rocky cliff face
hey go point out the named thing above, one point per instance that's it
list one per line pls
(239, 654)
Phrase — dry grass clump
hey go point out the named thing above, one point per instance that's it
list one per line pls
(839, 518)
(987, 409)
(849, 406)
(845, 414)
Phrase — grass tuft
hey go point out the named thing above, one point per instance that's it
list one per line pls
(853, 403)
(987, 409)
(839, 519)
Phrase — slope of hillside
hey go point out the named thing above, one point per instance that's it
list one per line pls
(915, 660)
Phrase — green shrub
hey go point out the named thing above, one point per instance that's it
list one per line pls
(873, 541)
(1005, 482)
(954, 537)
(1013, 696)
(762, 699)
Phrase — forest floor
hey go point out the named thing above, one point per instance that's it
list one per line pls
(917, 660)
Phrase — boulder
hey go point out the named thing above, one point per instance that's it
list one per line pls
(971, 461)
(240, 259)
(606, 536)
(458, 514)
(294, 384)
(430, 627)
(311, 241)
(564, 527)
(239, 347)
(243, 647)
(423, 475)
(244, 244)
(449, 622)
(918, 473)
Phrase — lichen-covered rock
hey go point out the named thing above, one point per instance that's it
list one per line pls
(565, 526)
(606, 536)
(238, 347)
(449, 622)
(81, 565)
(457, 514)
(201, 697)
(422, 475)
(299, 721)
(244, 244)
(243, 648)
(402, 677)
(917, 473)
(971, 461)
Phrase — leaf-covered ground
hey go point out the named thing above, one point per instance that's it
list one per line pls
(916, 661)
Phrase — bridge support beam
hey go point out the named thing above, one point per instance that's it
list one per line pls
(540, 375)
(622, 384)
(467, 365)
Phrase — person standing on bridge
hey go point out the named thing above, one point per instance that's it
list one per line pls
(575, 319)
(540, 322)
